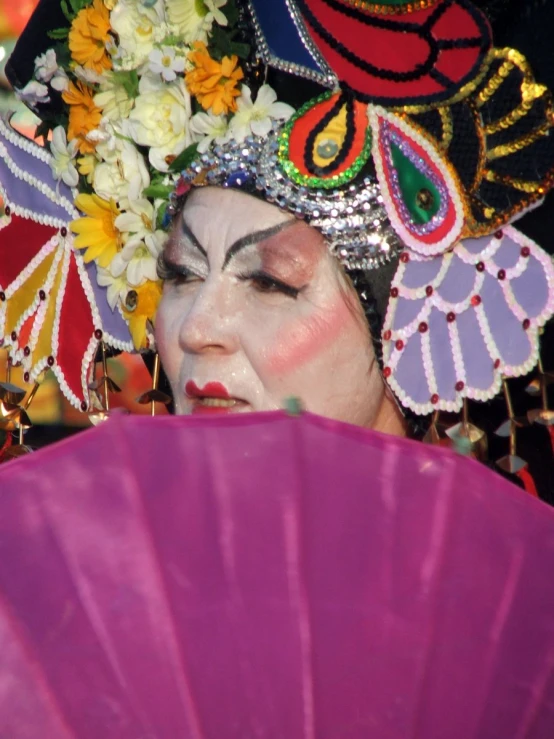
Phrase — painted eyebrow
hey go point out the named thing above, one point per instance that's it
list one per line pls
(193, 240)
(254, 238)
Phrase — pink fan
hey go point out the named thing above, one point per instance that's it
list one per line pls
(270, 576)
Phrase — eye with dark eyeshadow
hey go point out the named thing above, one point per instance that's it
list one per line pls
(176, 274)
(265, 283)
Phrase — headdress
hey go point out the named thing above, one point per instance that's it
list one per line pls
(421, 148)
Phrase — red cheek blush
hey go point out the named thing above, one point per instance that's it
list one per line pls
(305, 338)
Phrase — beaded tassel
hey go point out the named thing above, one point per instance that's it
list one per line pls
(512, 463)
(102, 387)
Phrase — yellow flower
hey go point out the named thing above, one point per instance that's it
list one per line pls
(97, 232)
(146, 298)
(84, 116)
(213, 83)
(86, 166)
(89, 34)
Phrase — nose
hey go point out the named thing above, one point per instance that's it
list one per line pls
(209, 324)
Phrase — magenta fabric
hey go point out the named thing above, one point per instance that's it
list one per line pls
(266, 576)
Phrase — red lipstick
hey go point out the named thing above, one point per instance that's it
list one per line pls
(210, 390)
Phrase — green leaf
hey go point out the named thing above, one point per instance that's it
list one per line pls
(63, 56)
(241, 50)
(231, 12)
(157, 191)
(184, 159)
(160, 215)
(129, 81)
(58, 34)
(65, 10)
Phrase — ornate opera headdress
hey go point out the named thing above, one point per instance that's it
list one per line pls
(421, 149)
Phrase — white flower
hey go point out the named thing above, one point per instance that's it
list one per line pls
(160, 119)
(163, 61)
(139, 25)
(122, 174)
(117, 286)
(210, 128)
(89, 76)
(47, 70)
(143, 243)
(113, 100)
(33, 92)
(63, 156)
(258, 117)
(193, 20)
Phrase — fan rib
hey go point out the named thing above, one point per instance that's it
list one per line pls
(34, 666)
(182, 678)
(292, 528)
(443, 523)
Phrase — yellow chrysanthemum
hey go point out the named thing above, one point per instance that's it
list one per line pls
(213, 83)
(84, 116)
(96, 232)
(146, 299)
(89, 34)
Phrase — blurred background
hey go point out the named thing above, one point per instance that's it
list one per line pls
(52, 416)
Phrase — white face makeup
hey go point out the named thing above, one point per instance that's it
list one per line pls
(256, 310)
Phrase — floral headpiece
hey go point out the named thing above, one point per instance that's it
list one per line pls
(425, 146)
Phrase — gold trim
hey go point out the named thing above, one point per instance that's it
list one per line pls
(528, 186)
(380, 9)
(514, 146)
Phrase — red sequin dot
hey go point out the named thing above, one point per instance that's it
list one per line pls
(83, 406)
(7, 210)
(429, 291)
(394, 292)
(387, 372)
(499, 234)
(526, 323)
(50, 361)
(480, 266)
(450, 317)
(399, 345)
(404, 257)
(13, 335)
(42, 294)
(26, 377)
(27, 351)
(387, 335)
(501, 274)
(2, 295)
(475, 301)
(63, 231)
(497, 364)
(423, 327)
(525, 252)
(434, 399)
(460, 386)
(98, 334)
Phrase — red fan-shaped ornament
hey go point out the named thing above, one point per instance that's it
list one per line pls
(412, 56)
(270, 576)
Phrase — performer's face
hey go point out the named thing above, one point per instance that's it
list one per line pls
(255, 310)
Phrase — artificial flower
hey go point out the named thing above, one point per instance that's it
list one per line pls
(209, 127)
(113, 98)
(47, 70)
(160, 120)
(96, 232)
(213, 10)
(192, 20)
(257, 117)
(122, 174)
(143, 243)
(117, 287)
(213, 83)
(34, 92)
(63, 157)
(88, 76)
(84, 116)
(86, 166)
(146, 298)
(138, 25)
(88, 36)
(163, 61)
